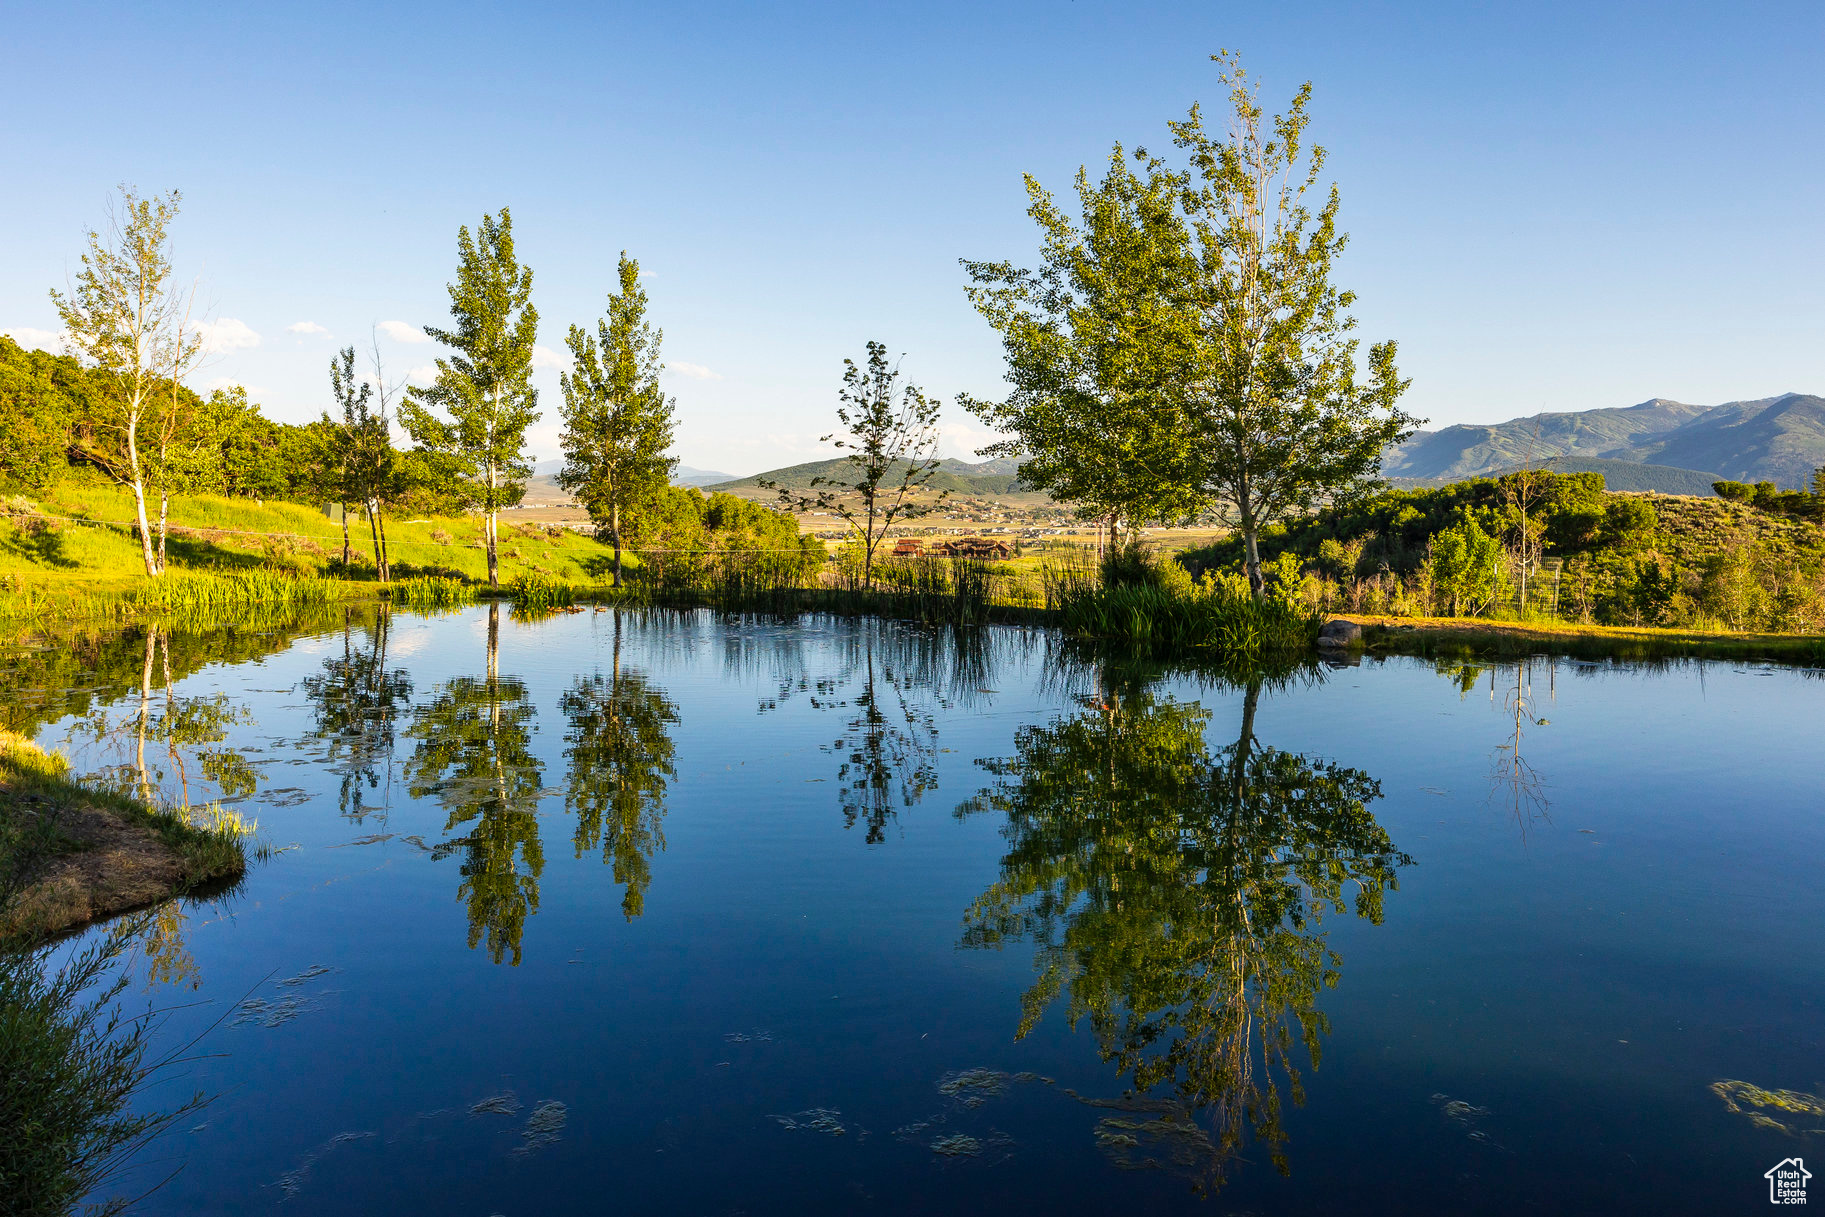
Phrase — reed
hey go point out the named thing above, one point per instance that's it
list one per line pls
(1217, 615)
(540, 593)
(431, 592)
(194, 593)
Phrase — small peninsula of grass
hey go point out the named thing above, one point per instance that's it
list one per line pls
(70, 853)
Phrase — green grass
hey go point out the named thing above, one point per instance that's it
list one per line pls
(85, 565)
(71, 1063)
(537, 593)
(1215, 618)
(431, 592)
(35, 786)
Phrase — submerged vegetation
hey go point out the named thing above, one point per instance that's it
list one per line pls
(71, 1068)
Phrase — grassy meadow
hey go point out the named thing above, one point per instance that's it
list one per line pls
(84, 561)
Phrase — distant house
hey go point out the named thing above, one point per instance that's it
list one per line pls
(907, 547)
(973, 547)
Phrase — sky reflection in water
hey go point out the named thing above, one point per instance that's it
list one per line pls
(650, 912)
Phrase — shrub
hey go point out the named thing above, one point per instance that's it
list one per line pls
(1467, 567)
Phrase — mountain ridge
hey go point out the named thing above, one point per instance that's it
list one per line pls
(1780, 439)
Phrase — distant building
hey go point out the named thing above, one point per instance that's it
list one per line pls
(973, 547)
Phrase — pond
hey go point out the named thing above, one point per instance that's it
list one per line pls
(667, 912)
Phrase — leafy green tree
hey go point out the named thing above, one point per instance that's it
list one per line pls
(617, 420)
(364, 453)
(1735, 492)
(892, 446)
(475, 754)
(129, 321)
(484, 387)
(1175, 896)
(1096, 343)
(1275, 418)
(42, 396)
(1466, 566)
(620, 756)
(1628, 522)
(253, 452)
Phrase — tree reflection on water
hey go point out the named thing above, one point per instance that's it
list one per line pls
(475, 754)
(357, 700)
(620, 755)
(1176, 896)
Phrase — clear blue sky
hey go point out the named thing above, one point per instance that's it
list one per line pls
(1552, 207)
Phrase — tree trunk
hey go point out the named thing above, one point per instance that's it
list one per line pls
(1257, 587)
(164, 516)
(614, 536)
(348, 554)
(380, 565)
(386, 558)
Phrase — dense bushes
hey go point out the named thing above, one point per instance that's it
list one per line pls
(1746, 560)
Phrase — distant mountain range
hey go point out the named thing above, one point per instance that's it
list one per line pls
(1780, 439)
(544, 475)
(684, 475)
(959, 477)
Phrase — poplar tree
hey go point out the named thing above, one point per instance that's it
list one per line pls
(484, 386)
(617, 420)
(1274, 415)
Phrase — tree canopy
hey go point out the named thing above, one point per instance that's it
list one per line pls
(484, 385)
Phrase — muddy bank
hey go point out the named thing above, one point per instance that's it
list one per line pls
(70, 854)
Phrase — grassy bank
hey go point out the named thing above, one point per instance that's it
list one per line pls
(70, 853)
(1454, 637)
(72, 555)
(71, 1061)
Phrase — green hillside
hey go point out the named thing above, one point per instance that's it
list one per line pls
(1634, 476)
(959, 477)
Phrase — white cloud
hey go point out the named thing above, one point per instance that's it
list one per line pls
(36, 339)
(227, 334)
(305, 327)
(424, 375)
(545, 357)
(962, 440)
(399, 331)
(695, 371)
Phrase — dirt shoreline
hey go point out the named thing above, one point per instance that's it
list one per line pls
(70, 856)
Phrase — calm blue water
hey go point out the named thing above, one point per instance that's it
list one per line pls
(675, 914)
